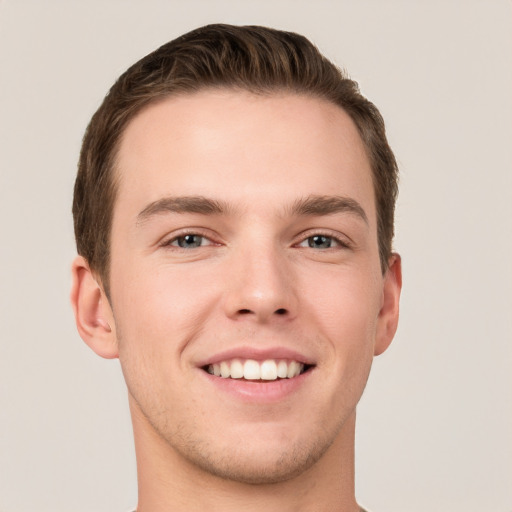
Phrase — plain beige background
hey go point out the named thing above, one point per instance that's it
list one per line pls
(435, 423)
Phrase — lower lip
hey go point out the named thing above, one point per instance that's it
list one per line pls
(263, 391)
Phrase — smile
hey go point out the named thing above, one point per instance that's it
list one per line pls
(250, 369)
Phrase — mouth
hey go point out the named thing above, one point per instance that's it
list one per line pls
(253, 370)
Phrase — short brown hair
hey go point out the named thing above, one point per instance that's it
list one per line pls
(257, 59)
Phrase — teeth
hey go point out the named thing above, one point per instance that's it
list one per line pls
(237, 369)
(293, 369)
(225, 370)
(282, 369)
(269, 370)
(255, 370)
(251, 370)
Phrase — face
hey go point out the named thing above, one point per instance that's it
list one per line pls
(246, 285)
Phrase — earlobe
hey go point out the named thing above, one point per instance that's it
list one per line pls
(93, 315)
(389, 312)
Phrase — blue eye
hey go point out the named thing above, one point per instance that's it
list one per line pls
(189, 241)
(320, 242)
(323, 242)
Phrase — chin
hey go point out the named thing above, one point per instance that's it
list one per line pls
(256, 464)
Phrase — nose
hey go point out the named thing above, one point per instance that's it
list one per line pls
(261, 287)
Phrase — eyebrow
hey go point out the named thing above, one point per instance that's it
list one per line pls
(183, 204)
(328, 205)
(309, 206)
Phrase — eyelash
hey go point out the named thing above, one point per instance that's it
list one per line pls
(339, 243)
(169, 242)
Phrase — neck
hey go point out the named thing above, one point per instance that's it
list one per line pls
(167, 481)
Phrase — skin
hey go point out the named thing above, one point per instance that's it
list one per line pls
(255, 281)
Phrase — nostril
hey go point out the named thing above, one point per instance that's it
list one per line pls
(245, 311)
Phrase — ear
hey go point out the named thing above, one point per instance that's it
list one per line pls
(93, 315)
(388, 315)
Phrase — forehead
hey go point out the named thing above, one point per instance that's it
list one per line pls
(241, 147)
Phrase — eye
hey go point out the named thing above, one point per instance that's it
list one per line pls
(320, 241)
(189, 241)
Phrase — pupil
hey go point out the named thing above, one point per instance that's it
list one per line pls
(320, 241)
(190, 241)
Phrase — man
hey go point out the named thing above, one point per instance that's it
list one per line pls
(234, 217)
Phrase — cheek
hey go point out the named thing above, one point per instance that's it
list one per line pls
(344, 305)
(347, 292)
(162, 308)
(157, 313)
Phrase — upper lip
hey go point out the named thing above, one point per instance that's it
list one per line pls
(258, 354)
